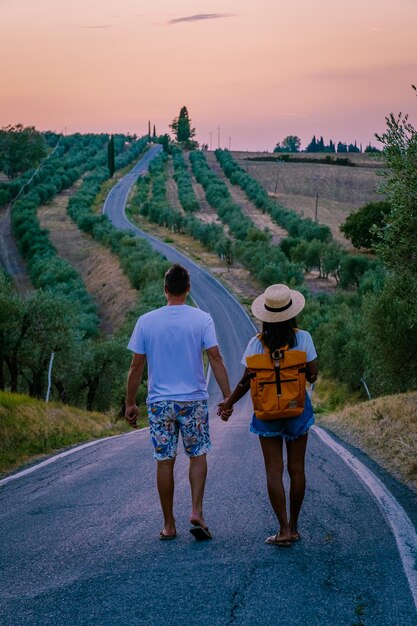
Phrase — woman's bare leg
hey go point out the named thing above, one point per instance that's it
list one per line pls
(274, 466)
(296, 451)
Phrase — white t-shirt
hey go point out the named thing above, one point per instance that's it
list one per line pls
(304, 342)
(173, 338)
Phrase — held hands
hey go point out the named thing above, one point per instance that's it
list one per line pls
(224, 410)
(131, 414)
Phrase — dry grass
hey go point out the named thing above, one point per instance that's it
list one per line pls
(206, 213)
(98, 267)
(385, 428)
(31, 428)
(341, 189)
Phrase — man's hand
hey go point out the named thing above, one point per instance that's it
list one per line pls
(131, 414)
(133, 381)
(224, 410)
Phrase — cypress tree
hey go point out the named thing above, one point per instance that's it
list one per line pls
(312, 146)
(110, 156)
(181, 127)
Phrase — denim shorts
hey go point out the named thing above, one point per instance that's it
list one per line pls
(168, 417)
(289, 428)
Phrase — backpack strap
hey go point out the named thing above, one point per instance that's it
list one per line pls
(276, 356)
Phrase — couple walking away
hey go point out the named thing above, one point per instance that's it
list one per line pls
(278, 360)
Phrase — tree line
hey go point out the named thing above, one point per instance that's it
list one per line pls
(88, 370)
(292, 144)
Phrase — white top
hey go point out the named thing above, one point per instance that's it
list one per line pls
(173, 338)
(304, 342)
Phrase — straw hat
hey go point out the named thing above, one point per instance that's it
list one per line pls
(277, 304)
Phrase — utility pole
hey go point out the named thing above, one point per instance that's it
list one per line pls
(276, 185)
(317, 179)
(230, 143)
(276, 181)
(211, 140)
(218, 137)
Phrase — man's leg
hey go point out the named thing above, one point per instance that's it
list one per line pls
(194, 425)
(197, 475)
(165, 483)
(164, 435)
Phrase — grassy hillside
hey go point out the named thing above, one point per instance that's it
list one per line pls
(30, 428)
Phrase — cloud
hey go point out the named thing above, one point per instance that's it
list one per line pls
(95, 27)
(200, 16)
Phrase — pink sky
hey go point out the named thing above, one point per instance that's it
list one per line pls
(258, 70)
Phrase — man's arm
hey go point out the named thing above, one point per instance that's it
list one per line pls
(219, 370)
(134, 379)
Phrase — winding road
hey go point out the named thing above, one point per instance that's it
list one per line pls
(80, 533)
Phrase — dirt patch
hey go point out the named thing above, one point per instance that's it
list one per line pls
(206, 214)
(98, 267)
(172, 190)
(261, 220)
(317, 285)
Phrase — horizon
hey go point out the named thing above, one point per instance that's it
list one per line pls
(257, 73)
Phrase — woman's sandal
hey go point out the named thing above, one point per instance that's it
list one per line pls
(274, 540)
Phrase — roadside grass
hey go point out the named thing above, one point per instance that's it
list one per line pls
(384, 428)
(32, 428)
(330, 395)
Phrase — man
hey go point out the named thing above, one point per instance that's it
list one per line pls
(171, 340)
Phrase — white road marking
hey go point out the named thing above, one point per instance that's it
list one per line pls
(62, 455)
(401, 525)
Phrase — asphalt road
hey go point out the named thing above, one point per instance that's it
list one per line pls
(80, 540)
(9, 254)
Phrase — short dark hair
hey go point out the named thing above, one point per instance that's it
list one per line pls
(177, 280)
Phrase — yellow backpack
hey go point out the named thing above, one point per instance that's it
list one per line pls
(277, 382)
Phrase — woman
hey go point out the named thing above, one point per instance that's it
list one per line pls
(276, 308)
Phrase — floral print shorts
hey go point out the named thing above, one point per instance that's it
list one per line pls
(168, 417)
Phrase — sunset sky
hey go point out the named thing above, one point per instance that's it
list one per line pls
(259, 70)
